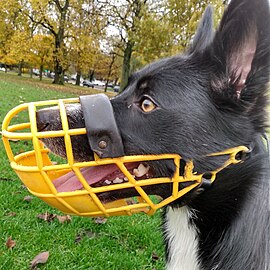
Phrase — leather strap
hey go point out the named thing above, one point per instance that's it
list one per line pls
(102, 131)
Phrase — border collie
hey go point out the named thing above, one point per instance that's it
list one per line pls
(211, 98)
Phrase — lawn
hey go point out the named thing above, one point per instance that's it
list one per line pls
(83, 243)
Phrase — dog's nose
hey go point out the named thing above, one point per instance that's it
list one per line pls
(45, 117)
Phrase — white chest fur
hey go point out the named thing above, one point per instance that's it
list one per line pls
(182, 240)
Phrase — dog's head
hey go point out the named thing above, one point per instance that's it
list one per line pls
(211, 98)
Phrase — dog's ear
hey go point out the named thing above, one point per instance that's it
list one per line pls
(204, 34)
(241, 55)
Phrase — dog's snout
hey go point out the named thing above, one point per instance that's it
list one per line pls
(49, 119)
(45, 117)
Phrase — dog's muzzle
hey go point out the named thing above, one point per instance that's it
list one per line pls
(78, 188)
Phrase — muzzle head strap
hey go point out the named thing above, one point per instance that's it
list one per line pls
(102, 131)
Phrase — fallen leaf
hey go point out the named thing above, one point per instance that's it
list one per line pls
(13, 140)
(10, 243)
(100, 220)
(78, 239)
(6, 179)
(11, 214)
(63, 219)
(155, 257)
(83, 234)
(131, 201)
(41, 258)
(16, 192)
(90, 234)
(47, 217)
(28, 198)
(20, 151)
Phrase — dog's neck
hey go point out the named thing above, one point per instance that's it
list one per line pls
(221, 230)
(182, 239)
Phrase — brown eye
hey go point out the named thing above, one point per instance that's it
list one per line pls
(148, 105)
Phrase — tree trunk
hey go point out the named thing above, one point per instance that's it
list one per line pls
(40, 72)
(126, 65)
(20, 68)
(109, 73)
(106, 85)
(58, 70)
(91, 74)
(57, 29)
(59, 40)
(78, 78)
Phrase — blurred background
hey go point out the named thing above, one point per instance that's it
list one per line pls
(95, 43)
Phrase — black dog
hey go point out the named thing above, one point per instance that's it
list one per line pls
(210, 99)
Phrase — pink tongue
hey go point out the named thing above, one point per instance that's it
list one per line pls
(70, 182)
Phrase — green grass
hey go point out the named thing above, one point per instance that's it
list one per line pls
(121, 243)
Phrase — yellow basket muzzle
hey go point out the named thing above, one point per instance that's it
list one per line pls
(38, 172)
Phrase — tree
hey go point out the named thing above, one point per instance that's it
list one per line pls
(14, 34)
(81, 55)
(147, 30)
(19, 49)
(108, 68)
(127, 18)
(183, 18)
(53, 16)
(86, 30)
(153, 40)
(150, 30)
(42, 52)
(63, 19)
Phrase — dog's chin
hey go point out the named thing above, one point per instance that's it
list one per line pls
(162, 191)
(157, 190)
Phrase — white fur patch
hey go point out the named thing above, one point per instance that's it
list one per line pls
(182, 240)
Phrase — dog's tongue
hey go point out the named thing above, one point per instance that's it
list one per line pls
(70, 182)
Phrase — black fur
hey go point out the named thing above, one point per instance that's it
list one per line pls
(209, 99)
(205, 33)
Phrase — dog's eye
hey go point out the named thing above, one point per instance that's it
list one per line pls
(148, 105)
